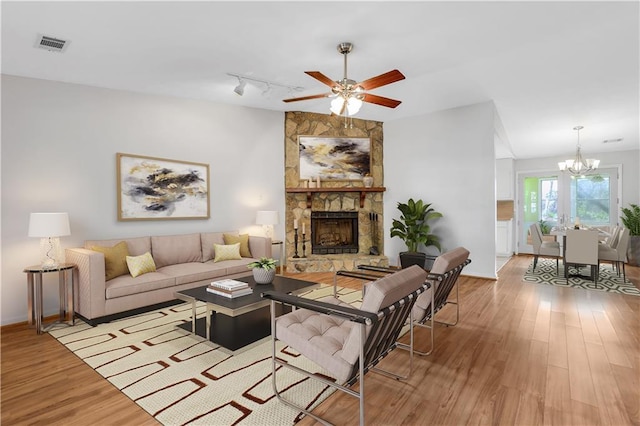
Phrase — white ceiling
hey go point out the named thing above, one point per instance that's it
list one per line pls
(547, 66)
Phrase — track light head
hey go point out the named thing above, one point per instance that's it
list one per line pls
(240, 87)
(269, 86)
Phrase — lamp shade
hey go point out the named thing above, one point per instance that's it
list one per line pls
(49, 225)
(267, 217)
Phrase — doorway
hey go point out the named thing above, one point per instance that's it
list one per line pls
(560, 199)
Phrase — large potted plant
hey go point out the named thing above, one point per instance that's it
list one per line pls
(631, 220)
(413, 228)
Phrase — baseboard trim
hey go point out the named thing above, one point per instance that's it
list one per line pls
(137, 311)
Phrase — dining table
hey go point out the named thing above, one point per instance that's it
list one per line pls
(562, 232)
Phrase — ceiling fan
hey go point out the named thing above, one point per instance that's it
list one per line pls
(349, 94)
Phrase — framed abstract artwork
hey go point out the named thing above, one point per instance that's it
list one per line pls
(339, 158)
(151, 188)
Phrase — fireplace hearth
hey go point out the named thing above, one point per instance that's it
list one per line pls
(334, 232)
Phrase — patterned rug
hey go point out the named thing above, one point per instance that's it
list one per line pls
(180, 379)
(608, 281)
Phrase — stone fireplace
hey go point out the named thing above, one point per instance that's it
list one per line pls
(338, 213)
(334, 232)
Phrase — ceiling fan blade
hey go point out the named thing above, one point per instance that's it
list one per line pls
(306, 98)
(382, 80)
(380, 100)
(322, 78)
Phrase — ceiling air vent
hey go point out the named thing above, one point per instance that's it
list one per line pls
(51, 44)
(618, 140)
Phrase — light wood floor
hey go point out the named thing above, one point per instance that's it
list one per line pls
(522, 354)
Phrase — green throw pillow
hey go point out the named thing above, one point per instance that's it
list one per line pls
(242, 239)
(226, 252)
(115, 259)
(142, 264)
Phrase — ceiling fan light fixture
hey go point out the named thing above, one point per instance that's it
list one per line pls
(336, 105)
(353, 105)
(351, 92)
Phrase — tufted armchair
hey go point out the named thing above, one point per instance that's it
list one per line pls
(345, 341)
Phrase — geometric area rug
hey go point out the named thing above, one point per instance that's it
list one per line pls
(608, 280)
(181, 379)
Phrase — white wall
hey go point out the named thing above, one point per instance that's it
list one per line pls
(447, 159)
(59, 144)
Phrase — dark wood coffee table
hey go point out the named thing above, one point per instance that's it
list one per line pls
(240, 323)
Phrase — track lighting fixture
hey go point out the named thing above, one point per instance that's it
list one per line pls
(267, 86)
(240, 87)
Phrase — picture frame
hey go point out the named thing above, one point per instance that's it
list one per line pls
(152, 188)
(334, 158)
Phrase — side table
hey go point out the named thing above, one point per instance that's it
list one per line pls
(34, 290)
(283, 259)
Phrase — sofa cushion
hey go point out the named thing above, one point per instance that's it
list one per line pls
(174, 249)
(207, 240)
(142, 264)
(126, 285)
(238, 266)
(136, 246)
(226, 252)
(243, 239)
(191, 272)
(115, 259)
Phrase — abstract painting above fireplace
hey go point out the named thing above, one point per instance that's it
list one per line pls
(334, 158)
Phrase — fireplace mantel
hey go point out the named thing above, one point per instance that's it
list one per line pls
(362, 190)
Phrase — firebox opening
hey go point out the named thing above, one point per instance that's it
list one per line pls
(334, 232)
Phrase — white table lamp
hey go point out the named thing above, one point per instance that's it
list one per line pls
(49, 226)
(267, 218)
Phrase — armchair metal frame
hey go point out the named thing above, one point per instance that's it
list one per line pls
(439, 299)
(375, 344)
(444, 284)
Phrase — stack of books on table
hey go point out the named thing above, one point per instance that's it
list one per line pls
(229, 288)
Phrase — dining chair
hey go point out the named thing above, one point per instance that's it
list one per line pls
(612, 241)
(617, 255)
(581, 250)
(543, 248)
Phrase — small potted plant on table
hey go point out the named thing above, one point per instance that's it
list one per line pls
(264, 270)
(413, 229)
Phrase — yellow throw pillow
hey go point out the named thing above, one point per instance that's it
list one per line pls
(115, 262)
(242, 239)
(142, 264)
(226, 252)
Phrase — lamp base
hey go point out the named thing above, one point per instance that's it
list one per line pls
(268, 231)
(51, 252)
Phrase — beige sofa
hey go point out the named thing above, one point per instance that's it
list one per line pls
(182, 262)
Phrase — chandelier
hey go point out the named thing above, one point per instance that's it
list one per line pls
(579, 166)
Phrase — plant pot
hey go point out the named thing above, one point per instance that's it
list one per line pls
(409, 258)
(633, 252)
(263, 276)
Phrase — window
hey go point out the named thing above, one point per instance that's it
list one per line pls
(558, 199)
(590, 197)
